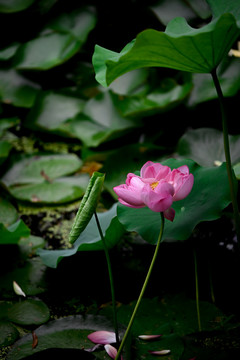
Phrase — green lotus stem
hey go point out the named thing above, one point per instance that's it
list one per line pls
(143, 289)
(227, 154)
(110, 279)
(197, 291)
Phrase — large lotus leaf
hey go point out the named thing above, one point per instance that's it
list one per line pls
(29, 274)
(203, 86)
(209, 196)
(77, 23)
(8, 213)
(12, 233)
(5, 148)
(166, 10)
(168, 95)
(131, 83)
(7, 123)
(205, 146)
(8, 333)
(17, 90)
(180, 47)
(101, 121)
(57, 44)
(41, 178)
(89, 239)
(51, 111)
(58, 191)
(37, 168)
(173, 317)
(8, 52)
(10, 6)
(29, 312)
(66, 333)
(221, 7)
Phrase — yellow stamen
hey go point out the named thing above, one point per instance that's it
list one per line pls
(154, 184)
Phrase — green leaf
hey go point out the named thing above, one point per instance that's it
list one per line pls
(8, 213)
(166, 11)
(10, 6)
(29, 275)
(62, 39)
(41, 178)
(203, 86)
(13, 233)
(7, 124)
(222, 7)
(29, 312)
(209, 196)
(88, 206)
(165, 97)
(5, 148)
(205, 146)
(101, 121)
(52, 110)
(17, 90)
(180, 47)
(66, 333)
(8, 52)
(89, 239)
(8, 333)
(173, 317)
(36, 169)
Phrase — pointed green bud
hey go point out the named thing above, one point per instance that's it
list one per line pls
(88, 205)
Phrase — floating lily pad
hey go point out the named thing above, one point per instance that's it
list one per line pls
(166, 11)
(89, 239)
(165, 97)
(205, 146)
(173, 318)
(29, 312)
(67, 333)
(203, 86)
(8, 333)
(101, 121)
(40, 179)
(9, 6)
(30, 276)
(61, 39)
(8, 213)
(9, 51)
(17, 90)
(13, 233)
(209, 196)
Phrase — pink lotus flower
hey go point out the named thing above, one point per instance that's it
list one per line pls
(156, 187)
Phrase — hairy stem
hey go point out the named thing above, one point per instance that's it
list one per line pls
(110, 279)
(227, 154)
(143, 289)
